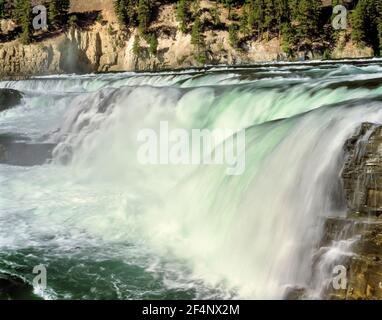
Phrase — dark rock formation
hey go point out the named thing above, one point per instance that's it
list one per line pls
(15, 288)
(9, 98)
(18, 151)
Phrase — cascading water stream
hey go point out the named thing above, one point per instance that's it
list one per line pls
(181, 231)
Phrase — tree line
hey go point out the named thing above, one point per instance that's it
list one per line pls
(367, 24)
(137, 14)
(302, 25)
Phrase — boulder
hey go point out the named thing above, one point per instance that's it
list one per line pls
(9, 98)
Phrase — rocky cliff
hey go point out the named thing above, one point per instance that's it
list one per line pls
(103, 46)
(358, 237)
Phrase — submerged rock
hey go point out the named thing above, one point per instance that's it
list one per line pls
(18, 151)
(9, 98)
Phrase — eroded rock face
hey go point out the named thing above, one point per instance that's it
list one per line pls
(359, 236)
(7, 26)
(362, 174)
(359, 244)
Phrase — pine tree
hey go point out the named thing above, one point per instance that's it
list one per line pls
(308, 18)
(251, 15)
(287, 38)
(244, 19)
(53, 14)
(269, 15)
(233, 36)
(197, 40)
(182, 14)
(2, 7)
(137, 46)
(282, 15)
(131, 13)
(136, 50)
(293, 9)
(358, 33)
(144, 15)
(366, 24)
(244, 23)
(17, 10)
(153, 44)
(258, 16)
(58, 12)
(120, 11)
(25, 16)
(306, 22)
(126, 12)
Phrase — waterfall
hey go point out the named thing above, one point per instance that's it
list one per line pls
(193, 226)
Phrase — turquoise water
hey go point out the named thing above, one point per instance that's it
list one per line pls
(107, 227)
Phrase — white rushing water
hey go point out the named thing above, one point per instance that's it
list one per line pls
(247, 236)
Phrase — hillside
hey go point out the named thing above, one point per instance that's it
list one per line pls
(98, 42)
